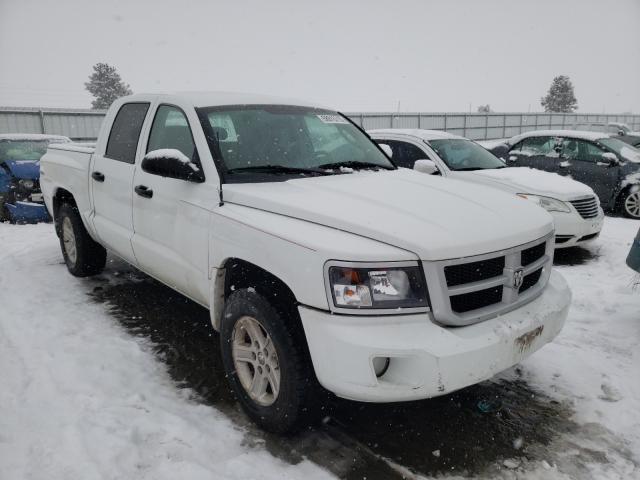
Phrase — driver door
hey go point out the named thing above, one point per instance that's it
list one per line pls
(582, 160)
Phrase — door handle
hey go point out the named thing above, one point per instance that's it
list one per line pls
(143, 191)
(97, 176)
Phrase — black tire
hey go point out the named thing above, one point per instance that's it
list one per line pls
(90, 257)
(296, 403)
(623, 205)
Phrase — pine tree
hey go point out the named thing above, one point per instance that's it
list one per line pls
(106, 86)
(560, 97)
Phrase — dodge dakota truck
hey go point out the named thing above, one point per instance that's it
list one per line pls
(324, 266)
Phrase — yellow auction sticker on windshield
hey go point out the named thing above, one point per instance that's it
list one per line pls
(332, 119)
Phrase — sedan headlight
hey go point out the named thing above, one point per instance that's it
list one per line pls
(373, 286)
(548, 203)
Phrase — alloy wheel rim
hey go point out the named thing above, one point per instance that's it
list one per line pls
(69, 240)
(632, 204)
(256, 361)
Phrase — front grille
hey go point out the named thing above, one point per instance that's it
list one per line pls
(586, 207)
(474, 271)
(532, 254)
(530, 280)
(474, 300)
(472, 289)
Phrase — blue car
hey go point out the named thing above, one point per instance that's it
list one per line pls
(20, 195)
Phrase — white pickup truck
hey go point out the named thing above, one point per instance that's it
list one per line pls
(320, 261)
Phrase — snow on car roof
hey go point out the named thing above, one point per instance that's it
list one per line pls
(212, 99)
(581, 134)
(33, 136)
(415, 132)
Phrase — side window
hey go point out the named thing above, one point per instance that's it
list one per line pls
(583, 150)
(170, 129)
(535, 146)
(125, 132)
(404, 154)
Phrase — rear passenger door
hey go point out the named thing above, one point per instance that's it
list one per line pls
(535, 152)
(172, 223)
(111, 180)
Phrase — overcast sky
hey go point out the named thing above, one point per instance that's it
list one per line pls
(352, 55)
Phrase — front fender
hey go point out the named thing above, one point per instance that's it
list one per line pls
(293, 250)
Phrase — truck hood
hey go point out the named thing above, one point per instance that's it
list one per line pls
(434, 218)
(528, 180)
(24, 169)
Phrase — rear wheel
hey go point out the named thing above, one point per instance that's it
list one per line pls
(269, 370)
(630, 202)
(83, 256)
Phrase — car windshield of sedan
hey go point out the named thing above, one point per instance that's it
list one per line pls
(286, 140)
(460, 155)
(22, 149)
(622, 149)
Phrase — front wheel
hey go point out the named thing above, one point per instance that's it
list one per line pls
(630, 202)
(268, 369)
(83, 256)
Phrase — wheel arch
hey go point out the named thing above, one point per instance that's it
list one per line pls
(236, 273)
(59, 197)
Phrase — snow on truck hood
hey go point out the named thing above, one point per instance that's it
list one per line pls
(529, 180)
(24, 169)
(432, 217)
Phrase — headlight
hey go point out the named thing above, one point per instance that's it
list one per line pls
(548, 203)
(373, 286)
(28, 184)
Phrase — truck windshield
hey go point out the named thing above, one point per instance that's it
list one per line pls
(270, 140)
(460, 154)
(22, 150)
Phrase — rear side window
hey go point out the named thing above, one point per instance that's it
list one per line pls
(536, 146)
(125, 132)
(404, 154)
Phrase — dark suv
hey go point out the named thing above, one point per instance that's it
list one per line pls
(608, 165)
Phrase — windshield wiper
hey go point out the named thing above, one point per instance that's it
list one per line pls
(278, 169)
(353, 164)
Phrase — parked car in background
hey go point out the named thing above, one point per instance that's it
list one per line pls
(633, 260)
(20, 194)
(624, 133)
(319, 260)
(574, 206)
(608, 165)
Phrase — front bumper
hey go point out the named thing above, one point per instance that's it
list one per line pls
(572, 229)
(27, 212)
(427, 360)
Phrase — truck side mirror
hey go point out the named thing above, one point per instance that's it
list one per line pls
(172, 163)
(425, 166)
(386, 149)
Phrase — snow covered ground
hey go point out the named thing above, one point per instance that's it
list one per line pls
(83, 398)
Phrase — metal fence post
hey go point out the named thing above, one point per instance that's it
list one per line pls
(42, 126)
(504, 126)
